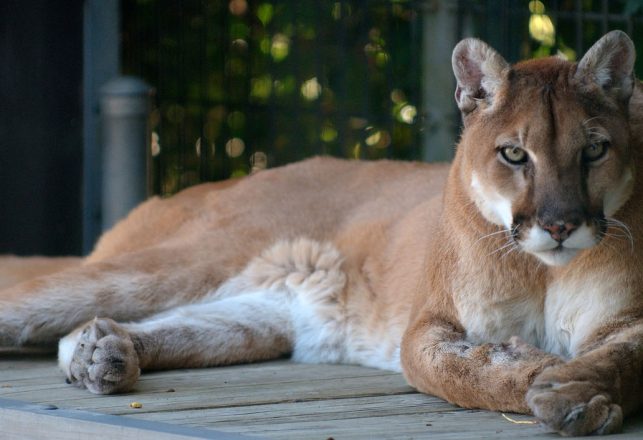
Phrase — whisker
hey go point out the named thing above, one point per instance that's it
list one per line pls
(503, 231)
(511, 243)
(614, 235)
(513, 249)
(620, 227)
(588, 120)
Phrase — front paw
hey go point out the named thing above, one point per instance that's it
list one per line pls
(573, 407)
(100, 357)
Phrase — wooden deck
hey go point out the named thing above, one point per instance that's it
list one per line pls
(279, 400)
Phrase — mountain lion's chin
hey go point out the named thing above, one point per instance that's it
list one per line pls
(559, 256)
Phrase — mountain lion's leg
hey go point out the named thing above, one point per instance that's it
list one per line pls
(106, 357)
(128, 287)
(288, 299)
(437, 360)
(591, 393)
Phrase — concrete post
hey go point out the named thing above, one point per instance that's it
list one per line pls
(124, 115)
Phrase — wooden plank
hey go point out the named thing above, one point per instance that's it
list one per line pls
(312, 411)
(444, 426)
(414, 416)
(34, 371)
(280, 400)
(25, 421)
(211, 388)
(396, 416)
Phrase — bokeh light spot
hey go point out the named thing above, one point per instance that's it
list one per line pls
(328, 133)
(155, 147)
(235, 147)
(280, 47)
(258, 161)
(408, 113)
(238, 7)
(311, 89)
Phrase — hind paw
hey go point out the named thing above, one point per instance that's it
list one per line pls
(101, 357)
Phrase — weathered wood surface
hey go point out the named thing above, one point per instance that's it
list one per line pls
(280, 400)
(22, 421)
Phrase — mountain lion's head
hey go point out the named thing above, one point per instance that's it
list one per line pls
(546, 143)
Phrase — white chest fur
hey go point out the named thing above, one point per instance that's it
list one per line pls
(573, 308)
(576, 306)
(493, 319)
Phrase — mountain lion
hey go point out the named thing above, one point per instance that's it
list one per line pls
(511, 281)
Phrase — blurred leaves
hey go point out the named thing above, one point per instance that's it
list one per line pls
(264, 83)
(265, 12)
(551, 41)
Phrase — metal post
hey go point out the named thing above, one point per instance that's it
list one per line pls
(440, 131)
(124, 114)
(100, 63)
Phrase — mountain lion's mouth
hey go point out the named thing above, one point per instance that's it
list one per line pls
(555, 252)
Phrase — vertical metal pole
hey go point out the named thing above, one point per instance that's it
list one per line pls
(100, 63)
(124, 116)
(440, 131)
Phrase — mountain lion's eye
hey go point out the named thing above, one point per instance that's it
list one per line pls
(514, 155)
(595, 151)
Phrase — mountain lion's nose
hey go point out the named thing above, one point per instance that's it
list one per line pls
(560, 230)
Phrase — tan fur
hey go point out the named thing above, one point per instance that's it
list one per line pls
(491, 285)
(14, 270)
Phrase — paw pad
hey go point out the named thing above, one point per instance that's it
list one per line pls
(104, 360)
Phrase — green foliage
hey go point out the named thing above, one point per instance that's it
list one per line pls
(263, 83)
(551, 40)
(285, 79)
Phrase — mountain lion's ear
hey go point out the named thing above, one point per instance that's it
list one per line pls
(478, 71)
(609, 65)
